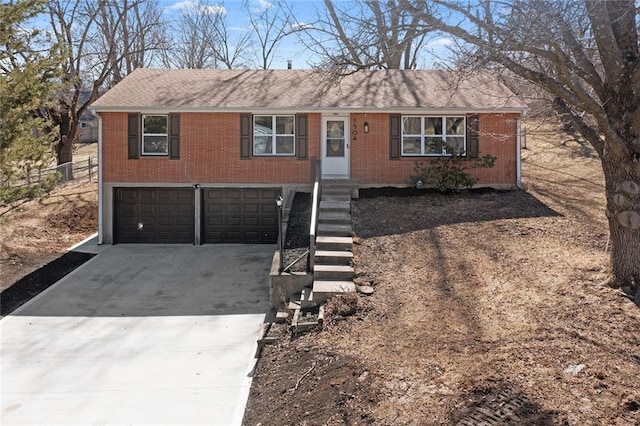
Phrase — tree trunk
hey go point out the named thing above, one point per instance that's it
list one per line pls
(64, 149)
(623, 213)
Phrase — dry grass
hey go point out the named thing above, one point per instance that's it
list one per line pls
(481, 297)
(39, 231)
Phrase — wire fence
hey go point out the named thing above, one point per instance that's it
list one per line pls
(76, 170)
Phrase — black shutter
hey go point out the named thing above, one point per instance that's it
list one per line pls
(133, 136)
(473, 127)
(394, 136)
(174, 136)
(301, 136)
(245, 136)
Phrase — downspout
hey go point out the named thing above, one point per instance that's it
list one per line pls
(518, 153)
(100, 202)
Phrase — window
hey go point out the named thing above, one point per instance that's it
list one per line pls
(273, 135)
(155, 136)
(433, 135)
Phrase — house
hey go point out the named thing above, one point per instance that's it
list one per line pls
(199, 156)
(88, 130)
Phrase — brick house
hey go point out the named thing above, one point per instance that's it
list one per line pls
(198, 156)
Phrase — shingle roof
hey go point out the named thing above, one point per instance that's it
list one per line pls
(305, 90)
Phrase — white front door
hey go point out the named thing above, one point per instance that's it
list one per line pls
(335, 147)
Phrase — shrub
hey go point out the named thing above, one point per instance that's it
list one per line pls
(449, 172)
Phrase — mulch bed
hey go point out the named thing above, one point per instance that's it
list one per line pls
(39, 280)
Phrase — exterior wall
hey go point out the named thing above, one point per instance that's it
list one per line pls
(209, 153)
(210, 156)
(370, 163)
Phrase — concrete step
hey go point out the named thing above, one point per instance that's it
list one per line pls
(336, 196)
(302, 300)
(333, 273)
(334, 217)
(303, 321)
(335, 230)
(334, 243)
(281, 317)
(324, 290)
(332, 189)
(331, 257)
(335, 206)
(340, 183)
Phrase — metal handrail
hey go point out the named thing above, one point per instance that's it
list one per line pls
(315, 208)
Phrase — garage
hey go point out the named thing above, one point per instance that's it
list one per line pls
(240, 215)
(154, 215)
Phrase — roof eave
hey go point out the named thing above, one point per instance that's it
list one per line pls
(322, 110)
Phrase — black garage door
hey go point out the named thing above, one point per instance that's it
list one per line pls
(154, 215)
(240, 215)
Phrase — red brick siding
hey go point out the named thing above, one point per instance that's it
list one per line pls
(370, 161)
(210, 153)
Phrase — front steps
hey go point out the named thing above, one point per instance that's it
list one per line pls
(333, 271)
(334, 243)
(333, 257)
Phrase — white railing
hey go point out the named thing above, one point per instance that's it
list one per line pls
(315, 208)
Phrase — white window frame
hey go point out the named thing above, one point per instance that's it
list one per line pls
(424, 136)
(144, 134)
(274, 136)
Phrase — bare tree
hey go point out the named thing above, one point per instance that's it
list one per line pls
(195, 32)
(100, 43)
(230, 51)
(271, 22)
(366, 34)
(586, 55)
(204, 40)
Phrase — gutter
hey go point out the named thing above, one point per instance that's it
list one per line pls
(100, 202)
(431, 110)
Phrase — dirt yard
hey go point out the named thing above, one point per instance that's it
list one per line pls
(38, 232)
(488, 307)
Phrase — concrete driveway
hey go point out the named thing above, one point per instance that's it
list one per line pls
(140, 334)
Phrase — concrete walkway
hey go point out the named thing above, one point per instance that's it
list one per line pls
(139, 335)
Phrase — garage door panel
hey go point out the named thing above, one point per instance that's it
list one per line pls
(237, 215)
(252, 209)
(233, 194)
(252, 221)
(252, 194)
(154, 215)
(166, 209)
(232, 209)
(269, 222)
(213, 208)
(233, 221)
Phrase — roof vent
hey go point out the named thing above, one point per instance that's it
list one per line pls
(289, 62)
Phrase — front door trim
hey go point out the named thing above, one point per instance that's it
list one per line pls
(336, 151)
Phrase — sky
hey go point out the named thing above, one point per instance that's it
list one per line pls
(290, 48)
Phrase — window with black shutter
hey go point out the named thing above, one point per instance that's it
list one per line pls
(245, 136)
(394, 136)
(473, 129)
(133, 136)
(153, 135)
(174, 136)
(302, 136)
